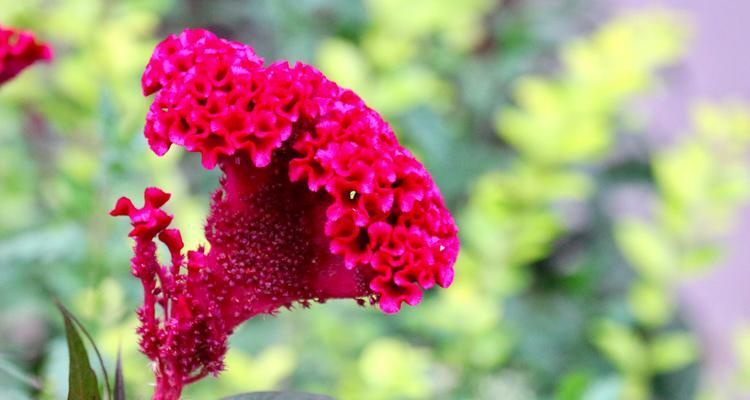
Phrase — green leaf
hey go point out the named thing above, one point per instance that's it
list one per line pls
(647, 249)
(700, 257)
(86, 333)
(278, 396)
(573, 386)
(622, 346)
(82, 384)
(673, 351)
(650, 303)
(119, 393)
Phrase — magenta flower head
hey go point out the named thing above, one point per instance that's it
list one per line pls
(18, 50)
(318, 201)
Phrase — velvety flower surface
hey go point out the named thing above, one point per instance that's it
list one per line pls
(318, 201)
(18, 50)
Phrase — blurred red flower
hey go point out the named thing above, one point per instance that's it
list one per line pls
(18, 50)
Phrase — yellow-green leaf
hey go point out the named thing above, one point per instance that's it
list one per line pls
(646, 248)
(672, 351)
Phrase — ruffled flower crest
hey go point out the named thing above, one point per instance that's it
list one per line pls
(318, 201)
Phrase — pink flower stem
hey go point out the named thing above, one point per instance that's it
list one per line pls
(166, 390)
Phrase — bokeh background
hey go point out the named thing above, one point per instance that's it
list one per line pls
(593, 152)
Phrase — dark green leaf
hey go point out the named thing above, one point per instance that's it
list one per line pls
(82, 384)
(278, 396)
(119, 379)
(86, 333)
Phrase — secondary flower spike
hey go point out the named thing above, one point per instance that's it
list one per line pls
(318, 201)
(18, 50)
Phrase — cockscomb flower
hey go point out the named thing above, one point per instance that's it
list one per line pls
(317, 201)
(18, 50)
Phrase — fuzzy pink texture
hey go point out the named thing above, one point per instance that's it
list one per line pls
(18, 50)
(318, 201)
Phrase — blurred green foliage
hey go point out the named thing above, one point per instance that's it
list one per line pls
(574, 231)
(688, 219)
(742, 344)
